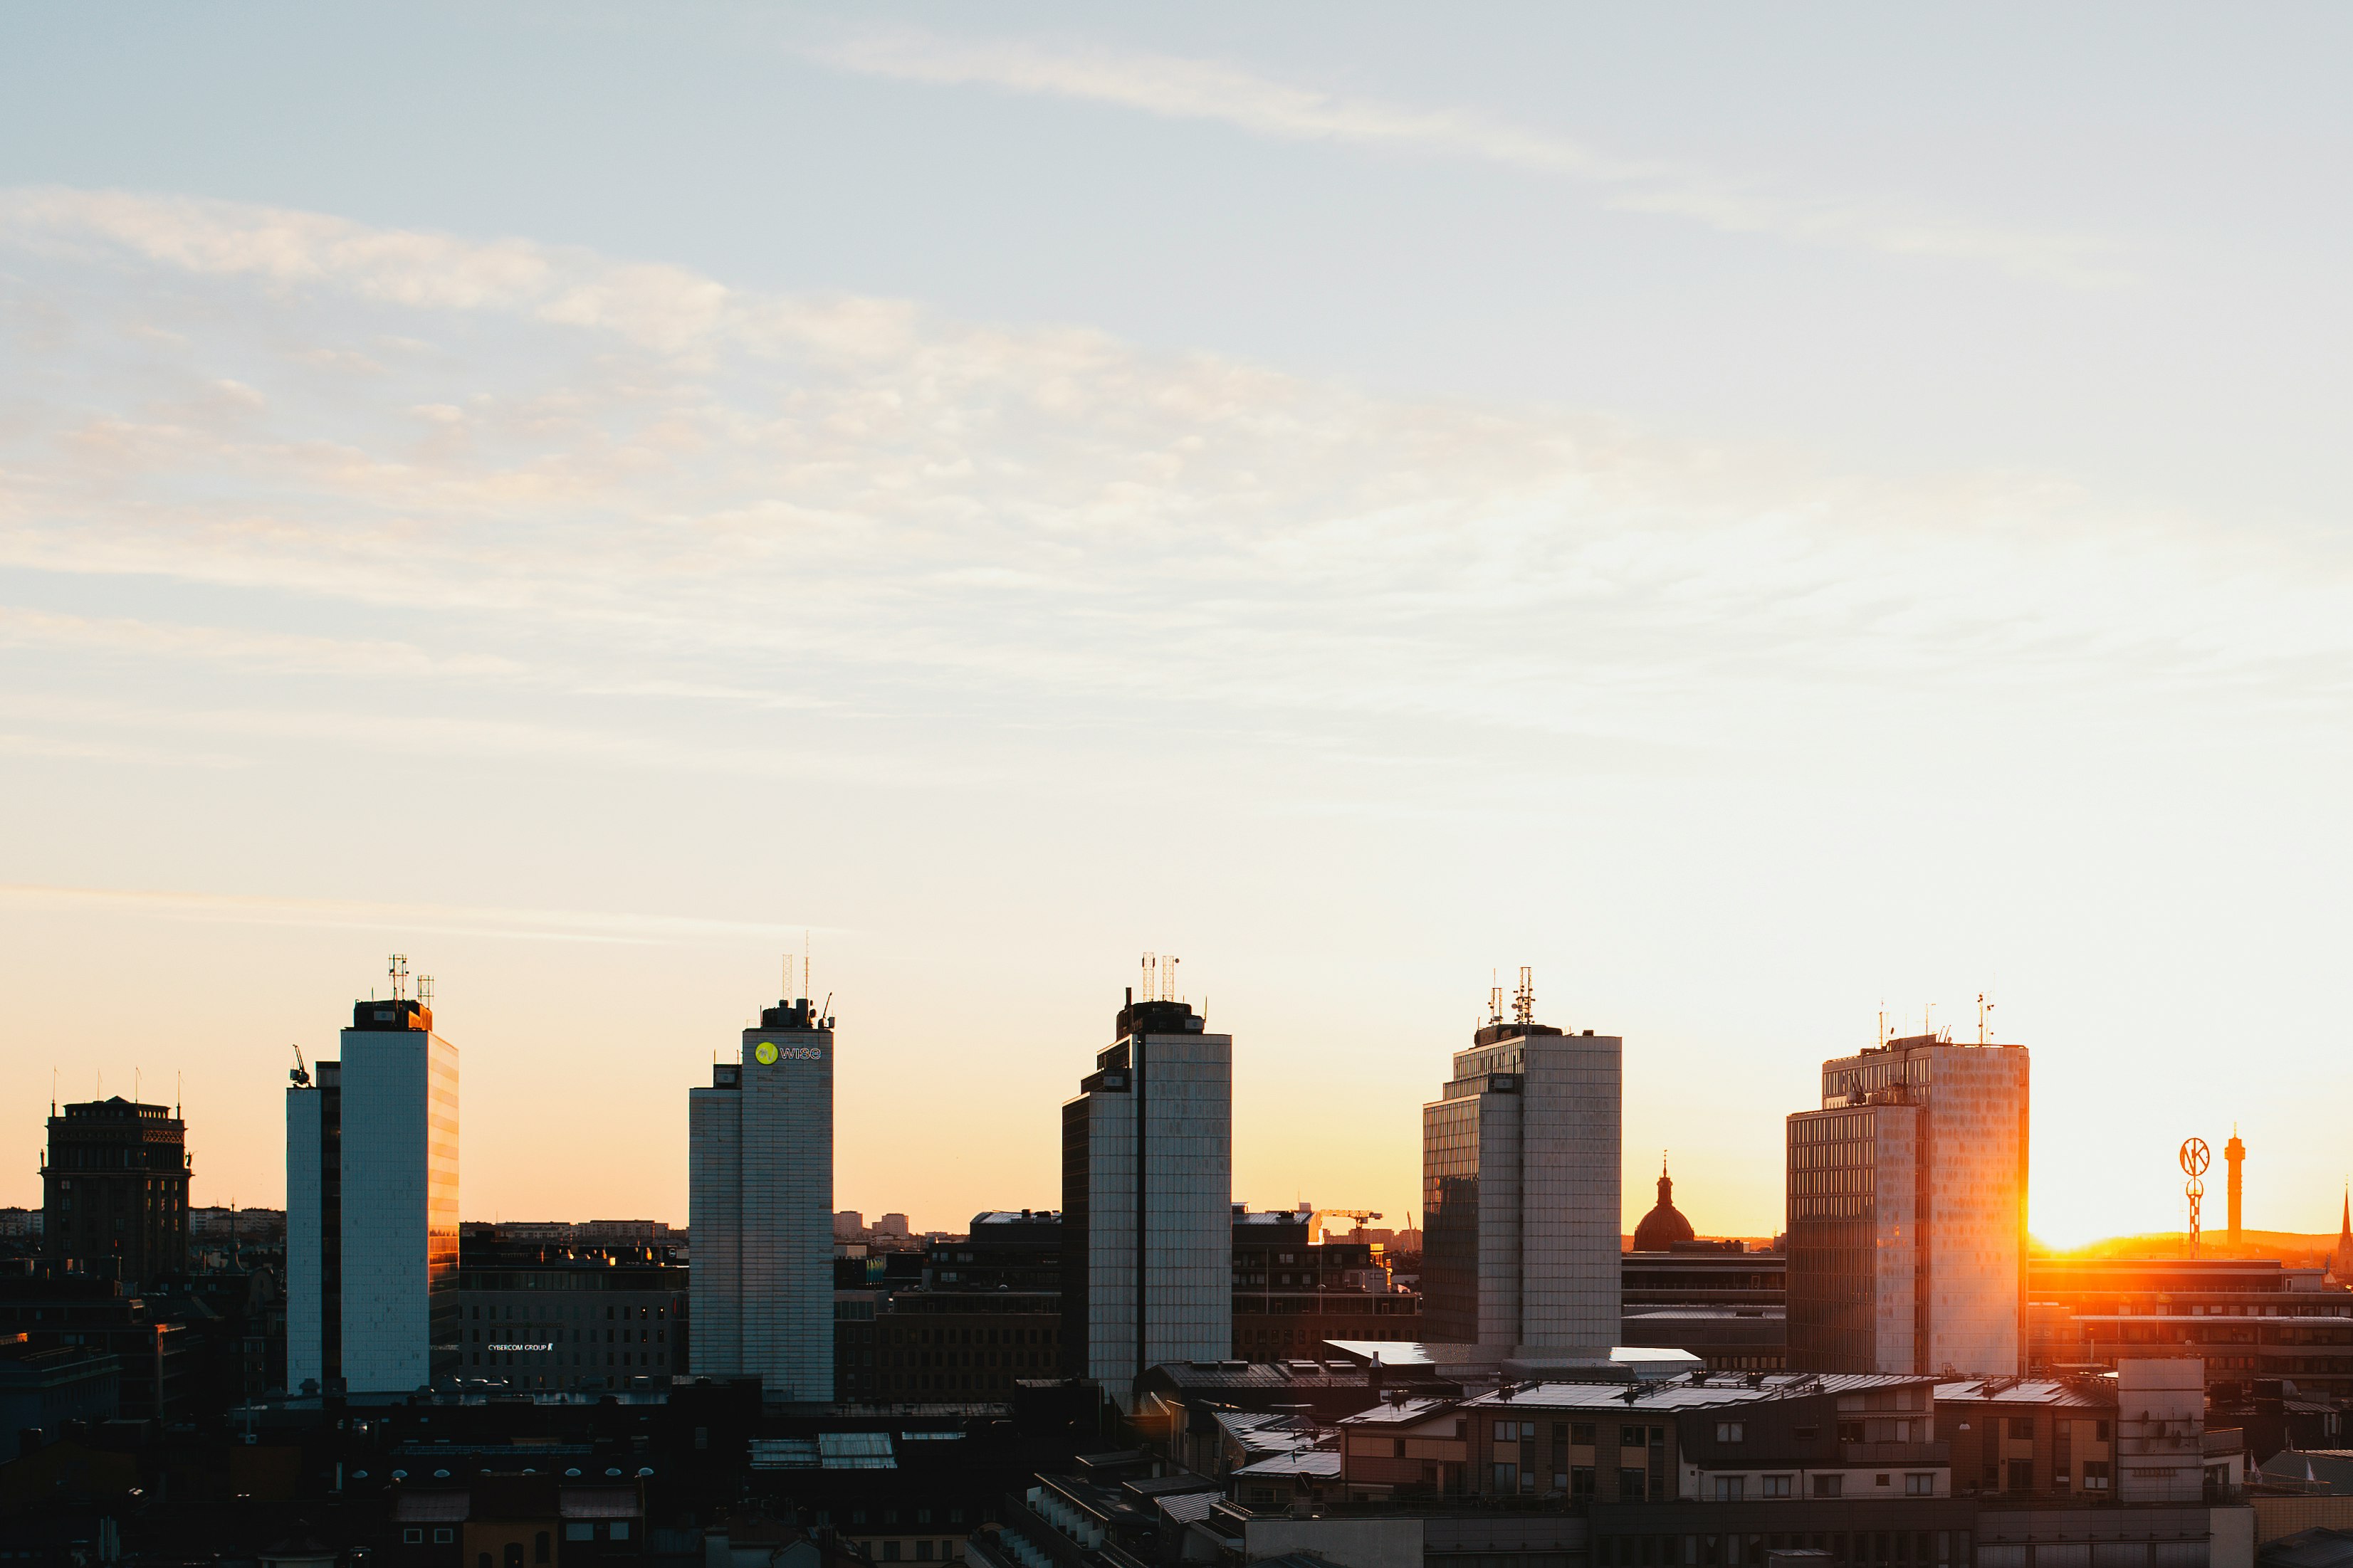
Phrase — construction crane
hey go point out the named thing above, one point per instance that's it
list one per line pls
(1360, 1216)
(298, 1072)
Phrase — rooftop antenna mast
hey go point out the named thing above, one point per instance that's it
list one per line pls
(2195, 1159)
(425, 992)
(805, 963)
(1151, 976)
(1494, 999)
(1524, 1001)
(1985, 1012)
(398, 969)
(1169, 978)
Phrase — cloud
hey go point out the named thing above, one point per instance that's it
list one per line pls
(539, 925)
(779, 536)
(1180, 88)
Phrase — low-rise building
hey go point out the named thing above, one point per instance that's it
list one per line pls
(1704, 1439)
(546, 1317)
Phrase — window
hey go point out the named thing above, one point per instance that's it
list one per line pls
(1729, 1431)
(1581, 1432)
(1629, 1438)
(1507, 1431)
(1806, 1434)
(923, 1551)
(1830, 1486)
(1507, 1478)
(2021, 1475)
(1850, 1431)
(540, 1548)
(2100, 1429)
(444, 1536)
(890, 1551)
(2021, 1427)
(1772, 1486)
(2095, 1475)
(1731, 1488)
(1920, 1486)
(1629, 1485)
(1581, 1482)
(1400, 1454)
(412, 1537)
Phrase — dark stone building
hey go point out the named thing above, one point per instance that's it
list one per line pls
(115, 1191)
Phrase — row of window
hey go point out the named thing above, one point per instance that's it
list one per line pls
(1735, 1489)
(1920, 1548)
(571, 1312)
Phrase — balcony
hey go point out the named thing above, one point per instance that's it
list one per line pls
(1895, 1453)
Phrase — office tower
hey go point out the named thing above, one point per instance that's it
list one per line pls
(114, 1191)
(1906, 1193)
(1147, 1195)
(1521, 1189)
(372, 1209)
(760, 1210)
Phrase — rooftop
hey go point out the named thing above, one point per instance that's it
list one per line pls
(2075, 1393)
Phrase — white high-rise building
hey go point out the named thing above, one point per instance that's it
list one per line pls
(1906, 1194)
(1521, 1183)
(1147, 1200)
(372, 1209)
(760, 1210)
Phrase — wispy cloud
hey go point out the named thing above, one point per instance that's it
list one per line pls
(540, 925)
(1181, 89)
(905, 546)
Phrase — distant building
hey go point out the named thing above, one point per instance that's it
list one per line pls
(849, 1225)
(372, 1209)
(537, 1317)
(2248, 1319)
(1665, 1226)
(1291, 1294)
(760, 1207)
(115, 1191)
(2340, 1262)
(1520, 1192)
(1147, 1189)
(1906, 1194)
(892, 1224)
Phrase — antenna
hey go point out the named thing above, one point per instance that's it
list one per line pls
(398, 969)
(805, 963)
(2194, 1161)
(425, 992)
(1168, 978)
(1150, 975)
(1985, 1011)
(1494, 999)
(1524, 1001)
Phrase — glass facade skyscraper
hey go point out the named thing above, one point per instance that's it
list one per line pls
(760, 1210)
(1147, 1200)
(372, 1209)
(1521, 1193)
(1906, 1212)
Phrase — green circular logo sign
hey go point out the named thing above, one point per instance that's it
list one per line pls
(764, 1053)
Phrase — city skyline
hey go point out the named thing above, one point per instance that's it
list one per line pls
(1637, 1179)
(584, 501)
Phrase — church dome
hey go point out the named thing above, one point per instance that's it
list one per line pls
(1664, 1225)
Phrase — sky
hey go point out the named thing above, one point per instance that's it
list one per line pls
(1769, 519)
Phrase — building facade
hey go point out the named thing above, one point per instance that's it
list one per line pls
(115, 1191)
(1293, 1293)
(536, 1317)
(760, 1209)
(372, 1209)
(1521, 1191)
(1147, 1192)
(1907, 1205)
